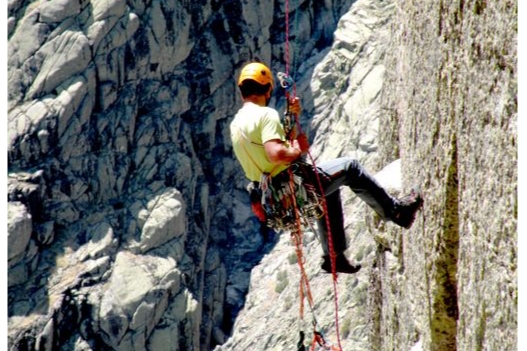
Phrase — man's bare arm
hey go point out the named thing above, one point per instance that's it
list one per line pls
(278, 153)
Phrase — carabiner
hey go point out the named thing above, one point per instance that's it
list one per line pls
(286, 81)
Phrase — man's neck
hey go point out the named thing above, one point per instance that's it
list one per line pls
(256, 99)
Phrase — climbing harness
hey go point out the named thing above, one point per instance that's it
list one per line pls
(287, 193)
(275, 200)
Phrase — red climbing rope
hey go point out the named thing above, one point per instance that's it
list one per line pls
(287, 37)
(297, 237)
(297, 234)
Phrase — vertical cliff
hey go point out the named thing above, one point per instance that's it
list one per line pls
(128, 221)
(451, 98)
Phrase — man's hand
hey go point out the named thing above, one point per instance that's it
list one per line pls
(301, 143)
(294, 106)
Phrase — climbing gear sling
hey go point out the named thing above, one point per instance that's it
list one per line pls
(275, 195)
(271, 197)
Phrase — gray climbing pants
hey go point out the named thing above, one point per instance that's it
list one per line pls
(348, 172)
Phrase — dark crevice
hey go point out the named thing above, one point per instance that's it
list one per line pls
(375, 300)
(445, 310)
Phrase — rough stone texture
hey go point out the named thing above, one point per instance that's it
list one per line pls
(129, 226)
(452, 97)
(271, 317)
(128, 219)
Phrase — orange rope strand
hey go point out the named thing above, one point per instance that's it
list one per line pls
(298, 233)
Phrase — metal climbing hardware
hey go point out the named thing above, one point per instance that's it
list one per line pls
(319, 341)
(275, 200)
(288, 121)
(286, 81)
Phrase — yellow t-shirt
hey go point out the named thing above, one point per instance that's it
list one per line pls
(252, 126)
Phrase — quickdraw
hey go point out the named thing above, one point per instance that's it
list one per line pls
(288, 121)
(275, 200)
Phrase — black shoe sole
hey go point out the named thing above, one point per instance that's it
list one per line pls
(355, 270)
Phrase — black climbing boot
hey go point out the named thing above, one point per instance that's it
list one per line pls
(341, 264)
(406, 208)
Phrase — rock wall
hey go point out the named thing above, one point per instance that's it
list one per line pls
(451, 93)
(341, 95)
(438, 109)
(128, 220)
(129, 226)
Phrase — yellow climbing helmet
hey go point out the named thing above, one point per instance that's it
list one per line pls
(258, 72)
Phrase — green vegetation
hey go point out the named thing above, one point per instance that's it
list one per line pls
(281, 281)
(292, 259)
(345, 328)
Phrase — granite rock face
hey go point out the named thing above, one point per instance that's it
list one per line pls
(129, 226)
(451, 96)
(128, 219)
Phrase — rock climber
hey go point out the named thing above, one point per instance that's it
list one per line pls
(261, 146)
